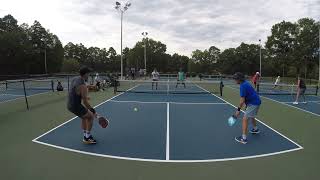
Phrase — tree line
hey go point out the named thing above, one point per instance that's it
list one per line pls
(291, 49)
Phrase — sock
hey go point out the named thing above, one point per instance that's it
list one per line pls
(88, 134)
(255, 128)
(84, 133)
(244, 136)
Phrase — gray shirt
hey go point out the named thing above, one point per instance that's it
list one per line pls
(74, 100)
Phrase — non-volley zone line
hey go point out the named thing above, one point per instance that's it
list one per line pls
(164, 102)
(304, 102)
(15, 95)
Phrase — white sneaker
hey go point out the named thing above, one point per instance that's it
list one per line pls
(295, 103)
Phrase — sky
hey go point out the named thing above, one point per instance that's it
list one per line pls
(183, 25)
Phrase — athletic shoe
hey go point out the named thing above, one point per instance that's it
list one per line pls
(253, 131)
(241, 140)
(295, 103)
(89, 140)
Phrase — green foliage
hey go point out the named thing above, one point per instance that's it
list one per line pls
(70, 66)
(290, 50)
(23, 48)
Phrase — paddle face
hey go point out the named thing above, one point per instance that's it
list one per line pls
(103, 122)
(232, 120)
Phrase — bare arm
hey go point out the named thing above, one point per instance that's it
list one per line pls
(242, 102)
(84, 96)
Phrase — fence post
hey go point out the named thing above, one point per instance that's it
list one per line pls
(25, 94)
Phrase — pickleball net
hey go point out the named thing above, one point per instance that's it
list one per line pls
(169, 87)
(285, 89)
(30, 85)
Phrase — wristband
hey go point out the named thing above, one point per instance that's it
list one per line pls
(92, 110)
(239, 109)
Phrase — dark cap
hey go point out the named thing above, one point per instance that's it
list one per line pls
(84, 70)
(239, 76)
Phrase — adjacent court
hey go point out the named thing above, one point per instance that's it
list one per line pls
(311, 105)
(286, 94)
(15, 89)
(168, 127)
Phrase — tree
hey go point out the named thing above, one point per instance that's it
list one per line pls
(281, 44)
(156, 56)
(70, 66)
(14, 47)
(207, 59)
(306, 45)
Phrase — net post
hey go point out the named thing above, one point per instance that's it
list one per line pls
(221, 88)
(115, 84)
(68, 77)
(52, 85)
(25, 94)
(6, 85)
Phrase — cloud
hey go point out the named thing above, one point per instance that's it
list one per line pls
(183, 25)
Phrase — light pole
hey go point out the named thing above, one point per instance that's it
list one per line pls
(45, 54)
(45, 60)
(145, 34)
(319, 57)
(260, 57)
(122, 9)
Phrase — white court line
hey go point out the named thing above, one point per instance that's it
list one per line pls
(35, 139)
(141, 102)
(291, 106)
(166, 161)
(183, 103)
(163, 102)
(317, 102)
(10, 95)
(167, 153)
(291, 102)
(168, 133)
(300, 147)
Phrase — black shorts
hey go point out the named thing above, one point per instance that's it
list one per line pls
(302, 91)
(79, 111)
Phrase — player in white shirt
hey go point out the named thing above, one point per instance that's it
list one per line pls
(277, 82)
(98, 81)
(155, 77)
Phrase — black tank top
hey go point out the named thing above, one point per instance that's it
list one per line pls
(302, 84)
(74, 100)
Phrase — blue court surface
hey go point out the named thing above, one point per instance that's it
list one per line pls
(311, 105)
(168, 128)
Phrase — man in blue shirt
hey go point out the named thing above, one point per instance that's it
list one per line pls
(250, 99)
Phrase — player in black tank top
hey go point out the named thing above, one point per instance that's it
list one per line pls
(301, 89)
(79, 105)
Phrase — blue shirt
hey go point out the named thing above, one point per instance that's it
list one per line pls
(249, 94)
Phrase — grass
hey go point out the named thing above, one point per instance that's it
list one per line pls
(22, 159)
